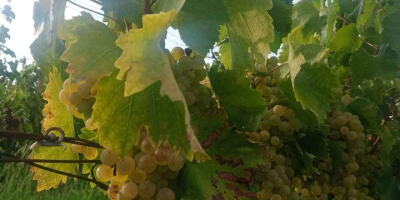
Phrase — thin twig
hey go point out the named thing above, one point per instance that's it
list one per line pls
(99, 184)
(88, 9)
(345, 21)
(370, 44)
(37, 137)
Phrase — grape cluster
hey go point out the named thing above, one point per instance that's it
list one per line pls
(343, 95)
(189, 72)
(268, 83)
(78, 96)
(145, 174)
(277, 178)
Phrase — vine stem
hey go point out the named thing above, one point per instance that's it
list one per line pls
(32, 136)
(32, 163)
(109, 17)
(371, 45)
(345, 21)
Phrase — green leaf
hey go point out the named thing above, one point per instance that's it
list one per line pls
(307, 116)
(310, 51)
(245, 106)
(226, 55)
(336, 152)
(281, 13)
(143, 62)
(56, 115)
(346, 39)
(367, 111)
(370, 15)
(125, 10)
(388, 141)
(314, 143)
(91, 51)
(374, 92)
(88, 135)
(68, 25)
(199, 23)
(250, 26)
(306, 13)
(119, 119)
(391, 31)
(313, 88)
(365, 66)
(167, 5)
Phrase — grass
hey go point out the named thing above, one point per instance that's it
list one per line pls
(16, 183)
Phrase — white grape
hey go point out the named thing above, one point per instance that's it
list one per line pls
(278, 110)
(84, 90)
(63, 96)
(147, 147)
(126, 165)
(109, 157)
(130, 190)
(138, 176)
(90, 153)
(104, 173)
(74, 98)
(76, 148)
(147, 189)
(165, 194)
(176, 163)
(147, 164)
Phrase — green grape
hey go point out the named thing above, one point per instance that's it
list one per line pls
(272, 175)
(182, 87)
(274, 140)
(190, 74)
(268, 185)
(162, 156)
(296, 182)
(274, 120)
(185, 63)
(194, 110)
(90, 153)
(147, 147)
(184, 81)
(69, 86)
(279, 159)
(315, 190)
(273, 61)
(348, 182)
(284, 190)
(341, 120)
(200, 74)
(204, 90)
(130, 190)
(276, 197)
(266, 194)
(276, 74)
(190, 98)
(63, 96)
(113, 191)
(176, 163)
(293, 196)
(264, 135)
(352, 135)
(278, 110)
(84, 90)
(75, 98)
(126, 165)
(138, 176)
(294, 124)
(83, 106)
(284, 127)
(76, 148)
(338, 92)
(265, 125)
(177, 53)
(289, 114)
(89, 125)
(198, 62)
(162, 183)
(254, 137)
(266, 91)
(147, 189)
(109, 157)
(104, 173)
(147, 164)
(203, 102)
(305, 192)
(177, 71)
(344, 130)
(165, 194)
(119, 177)
(195, 91)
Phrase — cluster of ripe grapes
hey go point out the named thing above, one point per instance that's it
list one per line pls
(268, 81)
(189, 72)
(351, 179)
(146, 173)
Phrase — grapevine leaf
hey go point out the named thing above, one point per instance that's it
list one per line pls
(346, 39)
(388, 141)
(199, 22)
(391, 31)
(167, 5)
(236, 98)
(143, 62)
(125, 10)
(119, 119)
(391, 189)
(306, 14)
(91, 51)
(56, 115)
(68, 25)
(210, 121)
(366, 110)
(226, 55)
(366, 66)
(307, 116)
(374, 92)
(313, 88)
(281, 13)
(250, 26)
(371, 16)
(314, 143)
(88, 135)
(336, 152)
(276, 45)
(310, 51)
